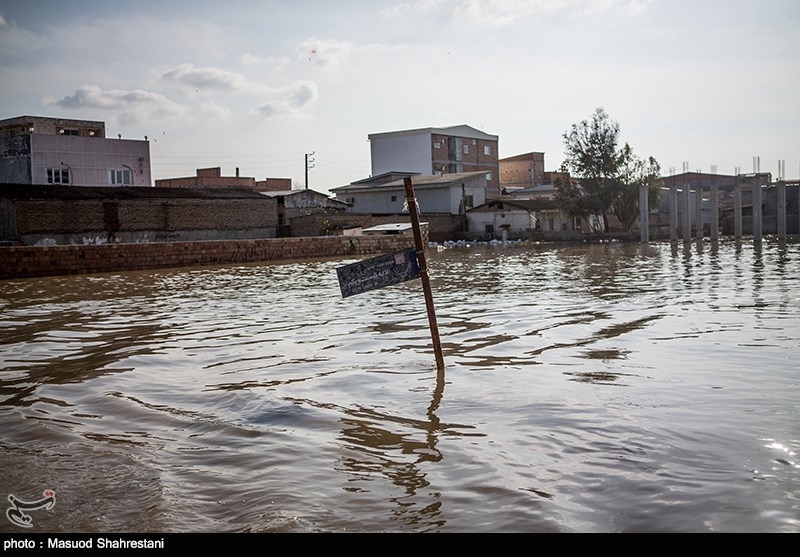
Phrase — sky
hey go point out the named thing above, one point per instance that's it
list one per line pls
(703, 85)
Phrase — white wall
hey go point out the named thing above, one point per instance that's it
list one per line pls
(89, 158)
(402, 153)
(476, 187)
(517, 220)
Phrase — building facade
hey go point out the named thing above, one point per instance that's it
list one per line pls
(42, 150)
(431, 151)
(300, 203)
(521, 219)
(522, 171)
(453, 194)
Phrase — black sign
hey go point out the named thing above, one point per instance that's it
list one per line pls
(378, 272)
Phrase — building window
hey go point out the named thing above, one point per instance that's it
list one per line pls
(468, 201)
(69, 132)
(487, 149)
(437, 144)
(58, 176)
(488, 176)
(466, 149)
(394, 198)
(120, 177)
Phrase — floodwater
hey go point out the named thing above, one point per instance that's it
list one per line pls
(587, 388)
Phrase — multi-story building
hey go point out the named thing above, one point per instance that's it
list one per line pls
(437, 151)
(42, 150)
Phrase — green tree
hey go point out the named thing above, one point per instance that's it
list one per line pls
(590, 150)
(570, 198)
(608, 177)
(632, 174)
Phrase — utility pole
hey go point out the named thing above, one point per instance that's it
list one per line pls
(309, 164)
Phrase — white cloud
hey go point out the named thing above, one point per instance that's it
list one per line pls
(133, 107)
(204, 79)
(324, 52)
(215, 111)
(289, 101)
(499, 13)
(277, 62)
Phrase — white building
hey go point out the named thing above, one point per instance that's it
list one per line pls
(448, 193)
(41, 150)
(516, 219)
(427, 151)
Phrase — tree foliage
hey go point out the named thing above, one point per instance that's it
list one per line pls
(608, 178)
(632, 174)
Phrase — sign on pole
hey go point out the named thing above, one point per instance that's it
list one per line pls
(378, 272)
(394, 268)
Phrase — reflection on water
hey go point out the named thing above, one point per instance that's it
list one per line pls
(590, 388)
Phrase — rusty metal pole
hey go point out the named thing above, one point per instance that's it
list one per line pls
(423, 273)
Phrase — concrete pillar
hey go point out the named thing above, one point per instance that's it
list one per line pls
(644, 214)
(757, 232)
(673, 213)
(687, 215)
(714, 212)
(737, 210)
(781, 187)
(698, 214)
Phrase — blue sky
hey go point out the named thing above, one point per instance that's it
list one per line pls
(257, 85)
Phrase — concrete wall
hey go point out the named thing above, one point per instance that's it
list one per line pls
(404, 152)
(29, 261)
(15, 159)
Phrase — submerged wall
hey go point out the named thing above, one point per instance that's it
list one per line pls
(33, 261)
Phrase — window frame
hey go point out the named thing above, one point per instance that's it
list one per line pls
(60, 173)
(123, 173)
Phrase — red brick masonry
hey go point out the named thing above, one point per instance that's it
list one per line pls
(30, 261)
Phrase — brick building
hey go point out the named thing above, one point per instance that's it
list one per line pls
(212, 177)
(63, 215)
(522, 171)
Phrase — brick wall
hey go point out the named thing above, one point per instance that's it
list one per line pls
(522, 172)
(30, 261)
(109, 216)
